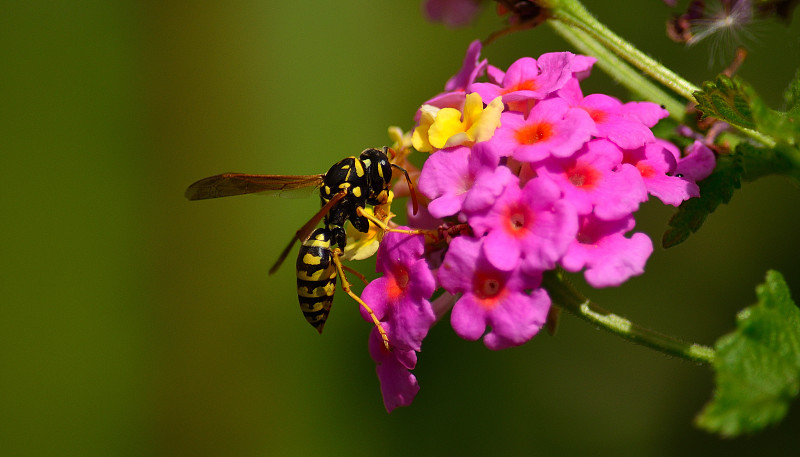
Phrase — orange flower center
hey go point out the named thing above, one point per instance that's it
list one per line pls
(584, 176)
(397, 284)
(533, 133)
(528, 84)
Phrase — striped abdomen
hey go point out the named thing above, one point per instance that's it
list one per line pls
(316, 277)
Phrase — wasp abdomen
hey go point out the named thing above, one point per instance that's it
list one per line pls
(316, 278)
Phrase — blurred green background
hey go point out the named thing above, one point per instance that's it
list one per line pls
(137, 323)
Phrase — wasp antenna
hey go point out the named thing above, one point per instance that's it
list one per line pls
(411, 189)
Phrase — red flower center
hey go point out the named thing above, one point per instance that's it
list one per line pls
(533, 133)
(398, 282)
(517, 219)
(646, 170)
(528, 84)
(488, 287)
(597, 115)
(583, 175)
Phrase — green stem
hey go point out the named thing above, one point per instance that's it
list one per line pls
(619, 70)
(580, 22)
(573, 14)
(564, 295)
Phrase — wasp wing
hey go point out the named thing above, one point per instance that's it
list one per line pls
(229, 184)
(305, 231)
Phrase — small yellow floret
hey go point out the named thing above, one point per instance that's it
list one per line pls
(447, 127)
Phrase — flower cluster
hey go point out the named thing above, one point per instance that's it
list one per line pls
(525, 174)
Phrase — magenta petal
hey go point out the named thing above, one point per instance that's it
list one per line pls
(459, 263)
(445, 179)
(632, 254)
(501, 250)
(517, 319)
(645, 112)
(698, 163)
(608, 256)
(398, 385)
(467, 318)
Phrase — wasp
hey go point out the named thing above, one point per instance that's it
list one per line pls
(345, 190)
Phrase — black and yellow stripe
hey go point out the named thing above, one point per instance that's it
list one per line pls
(316, 277)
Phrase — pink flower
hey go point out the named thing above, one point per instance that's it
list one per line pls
(529, 79)
(656, 165)
(698, 164)
(627, 125)
(608, 256)
(529, 227)
(551, 127)
(399, 298)
(491, 297)
(398, 385)
(449, 173)
(596, 180)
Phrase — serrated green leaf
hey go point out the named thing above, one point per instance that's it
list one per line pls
(716, 189)
(792, 94)
(727, 100)
(757, 366)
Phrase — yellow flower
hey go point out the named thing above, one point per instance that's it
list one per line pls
(447, 127)
(362, 245)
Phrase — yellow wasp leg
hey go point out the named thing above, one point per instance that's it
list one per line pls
(360, 211)
(346, 287)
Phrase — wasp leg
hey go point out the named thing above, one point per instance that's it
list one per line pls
(385, 227)
(346, 287)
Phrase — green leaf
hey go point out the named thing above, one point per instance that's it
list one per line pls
(783, 126)
(727, 100)
(716, 189)
(792, 94)
(734, 101)
(757, 366)
(760, 162)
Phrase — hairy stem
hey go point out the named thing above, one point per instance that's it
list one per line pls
(619, 70)
(564, 295)
(579, 22)
(573, 14)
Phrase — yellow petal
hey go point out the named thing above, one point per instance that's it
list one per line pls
(419, 139)
(484, 127)
(473, 109)
(448, 123)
